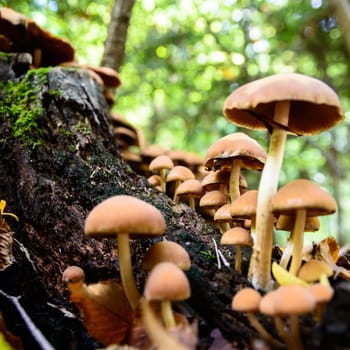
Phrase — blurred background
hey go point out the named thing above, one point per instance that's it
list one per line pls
(183, 58)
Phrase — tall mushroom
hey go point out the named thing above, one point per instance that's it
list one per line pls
(282, 103)
(125, 216)
(235, 152)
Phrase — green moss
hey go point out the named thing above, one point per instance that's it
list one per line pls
(20, 103)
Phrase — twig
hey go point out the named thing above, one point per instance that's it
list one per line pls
(34, 330)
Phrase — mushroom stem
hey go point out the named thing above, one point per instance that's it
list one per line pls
(192, 202)
(261, 330)
(162, 174)
(295, 333)
(262, 250)
(298, 240)
(167, 314)
(126, 273)
(238, 258)
(283, 333)
(157, 333)
(287, 253)
(234, 179)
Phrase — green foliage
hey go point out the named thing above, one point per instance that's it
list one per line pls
(183, 58)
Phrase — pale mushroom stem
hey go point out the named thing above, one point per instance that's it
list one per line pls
(192, 202)
(295, 332)
(238, 258)
(126, 273)
(298, 241)
(283, 333)
(261, 330)
(177, 183)
(262, 250)
(167, 314)
(157, 333)
(287, 253)
(162, 174)
(234, 179)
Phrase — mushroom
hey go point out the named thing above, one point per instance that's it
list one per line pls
(301, 198)
(282, 103)
(190, 189)
(322, 295)
(178, 174)
(222, 217)
(235, 152)
(166, 283)
(315, 271)
(212, 201)
(303, 303)
(25, 35)
(286, 223)
(237, 236)
(160, 336)
(166, 251)
(161, 165)
(134, 218)
(103, 306)
(247, 300)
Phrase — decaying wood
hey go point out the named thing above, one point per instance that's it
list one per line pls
(52, 187)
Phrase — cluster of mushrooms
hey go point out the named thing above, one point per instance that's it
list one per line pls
(288, 103)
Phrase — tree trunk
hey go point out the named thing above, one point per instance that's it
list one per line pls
(117, 34)
(58, 159)
(341, 10)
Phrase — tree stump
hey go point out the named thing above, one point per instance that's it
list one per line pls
(58, 160)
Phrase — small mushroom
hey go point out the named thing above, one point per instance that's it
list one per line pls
(190, 189)
(135, 218)
(238, 237)
(166, 283)
(166, 251)
(161, 166)
(235, 152)
(247, 300)
(301, 198)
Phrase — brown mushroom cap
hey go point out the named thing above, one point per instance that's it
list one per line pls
(246, 300)
(179, 173)
(166, 251)
(237, 145)
(302, 297)
(161, 162)
(286, 223)
(213, 199)
(237, 236)
(223, 213)
(167, 281)
(73, 274)
(303, 194)
(315, 107)
(244, 207)
(313, 269)
(26, 36)
(190, 188)
(321, 292)
(124, 214)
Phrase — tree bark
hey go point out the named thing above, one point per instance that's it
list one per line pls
(117, 33)
(58, 159)
(51, 177)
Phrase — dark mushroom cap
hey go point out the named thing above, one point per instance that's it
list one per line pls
(315, 106)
